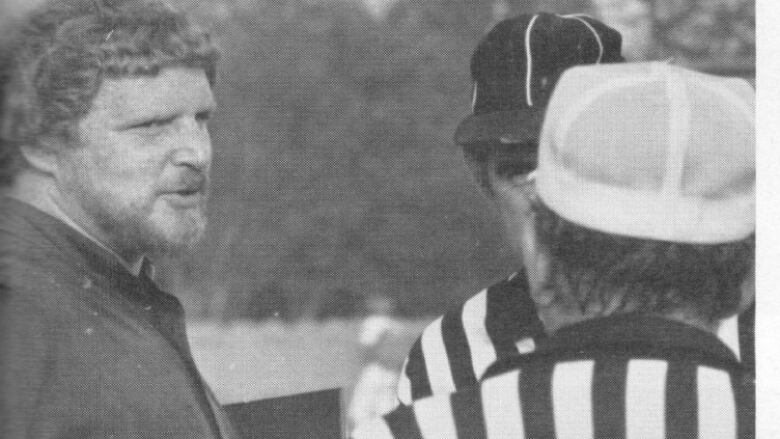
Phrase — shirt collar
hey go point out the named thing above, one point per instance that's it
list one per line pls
(628, 335)
(640, 333)
(134, 267)
(142, 265)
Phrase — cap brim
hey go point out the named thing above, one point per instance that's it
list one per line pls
(515, 126)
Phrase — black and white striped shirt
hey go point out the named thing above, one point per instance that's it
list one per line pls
(616, 377)
(455, 350)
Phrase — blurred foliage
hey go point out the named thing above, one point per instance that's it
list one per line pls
(712, 35)
(335, 174)
(708, 31)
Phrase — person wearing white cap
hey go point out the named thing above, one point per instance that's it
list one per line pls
(641, 238)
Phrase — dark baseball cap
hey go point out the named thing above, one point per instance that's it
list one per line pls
(515, 67)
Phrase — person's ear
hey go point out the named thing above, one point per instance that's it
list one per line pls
(476, 162)
(538, 264)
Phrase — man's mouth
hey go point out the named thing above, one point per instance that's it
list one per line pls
(187, 195)
(186, 192)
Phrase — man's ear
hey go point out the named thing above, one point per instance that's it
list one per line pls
(479, 171)
(538, 264)
(42, 157)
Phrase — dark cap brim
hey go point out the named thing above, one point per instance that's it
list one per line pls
(513, 126)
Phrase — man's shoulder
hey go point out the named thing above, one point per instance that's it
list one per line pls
(37, 279)
(23, 239)
(34, 271)
(498, 302)
(454, 350)
(51, 296)
(33, 256)
(468, 412)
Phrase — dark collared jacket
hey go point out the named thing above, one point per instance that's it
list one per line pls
(87, 350)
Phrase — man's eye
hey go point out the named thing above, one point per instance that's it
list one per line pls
(154, 123)
(203, 116)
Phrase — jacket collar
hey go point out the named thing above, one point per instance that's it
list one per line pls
(639, 335)
(30, 224)
(626, 336)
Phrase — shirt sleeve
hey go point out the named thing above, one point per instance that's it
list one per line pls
(440, 360)
(413, 383)
(450, 354)
(373, 429)
(404, 390)
(450, 416)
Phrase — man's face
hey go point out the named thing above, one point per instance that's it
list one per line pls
(513, 197)
(137, 177)
(506, 170)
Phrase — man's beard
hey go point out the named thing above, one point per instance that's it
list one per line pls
(142, 230)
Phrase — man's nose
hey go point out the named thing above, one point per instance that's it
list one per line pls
(193, 147)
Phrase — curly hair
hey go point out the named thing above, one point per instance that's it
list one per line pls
(60, 54)
(604, 271)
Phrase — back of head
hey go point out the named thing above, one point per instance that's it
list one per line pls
(61, 52)
(647, 179)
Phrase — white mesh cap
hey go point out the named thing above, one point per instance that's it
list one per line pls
(651, 150)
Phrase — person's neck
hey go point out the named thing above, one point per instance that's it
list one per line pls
(556, 316)
(42, 193)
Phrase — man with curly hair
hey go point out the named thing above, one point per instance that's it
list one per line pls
(105, 161)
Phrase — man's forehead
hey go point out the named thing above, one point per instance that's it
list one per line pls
(174, 90)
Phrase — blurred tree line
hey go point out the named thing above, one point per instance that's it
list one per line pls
(335, 176)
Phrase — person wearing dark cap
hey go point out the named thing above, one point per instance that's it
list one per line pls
(639, 241)
(514, 69)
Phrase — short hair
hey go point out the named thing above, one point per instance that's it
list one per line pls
(62, 51)
(605, 271)
(506, 160)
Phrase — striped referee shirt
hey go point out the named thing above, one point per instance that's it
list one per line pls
(616, 377)
(500, 322)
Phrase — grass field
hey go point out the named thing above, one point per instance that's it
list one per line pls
(244, 361)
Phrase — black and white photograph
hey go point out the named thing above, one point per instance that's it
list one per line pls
(387, 219)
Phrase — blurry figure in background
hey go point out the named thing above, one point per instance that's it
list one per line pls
(106, 152)
(374, 392)
(380, 322)
(639, 242)
(514, 70)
